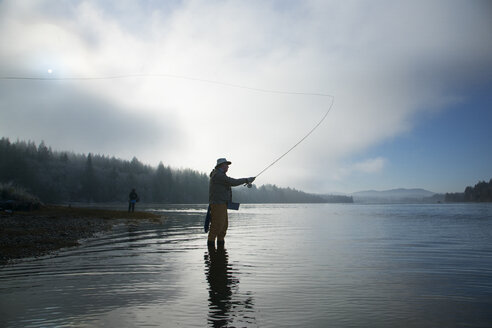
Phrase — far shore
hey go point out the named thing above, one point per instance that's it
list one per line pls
(50, 228)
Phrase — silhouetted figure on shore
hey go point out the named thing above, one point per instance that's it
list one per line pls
(132, 199)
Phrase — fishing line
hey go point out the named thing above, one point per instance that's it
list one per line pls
(131, 76)
(172, 76)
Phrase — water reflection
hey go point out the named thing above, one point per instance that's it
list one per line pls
(227, 306)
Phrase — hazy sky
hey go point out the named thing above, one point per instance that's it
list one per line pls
(411, 82)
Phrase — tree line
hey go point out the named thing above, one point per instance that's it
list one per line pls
(481, 192)
(62, 176)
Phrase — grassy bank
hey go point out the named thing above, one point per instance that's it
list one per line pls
(14, 197)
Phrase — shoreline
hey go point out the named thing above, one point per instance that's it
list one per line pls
(50, 228)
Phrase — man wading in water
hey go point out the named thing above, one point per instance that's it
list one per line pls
(220, 195)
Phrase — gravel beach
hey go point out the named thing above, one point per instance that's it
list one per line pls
(37, 233)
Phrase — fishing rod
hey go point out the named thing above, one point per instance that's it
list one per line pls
(249, 185)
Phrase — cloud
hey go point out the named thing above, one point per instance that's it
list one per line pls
(367, 166)
(68, 119)
(372, 165)
(386, 63)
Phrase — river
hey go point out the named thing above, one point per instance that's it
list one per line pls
(296, 265)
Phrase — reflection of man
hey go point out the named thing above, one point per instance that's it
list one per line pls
(226, 305)
(220, 286)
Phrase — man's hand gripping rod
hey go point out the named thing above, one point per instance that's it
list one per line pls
(249, 184)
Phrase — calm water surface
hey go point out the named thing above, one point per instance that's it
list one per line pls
(283, 266)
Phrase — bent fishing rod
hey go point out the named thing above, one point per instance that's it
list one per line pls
(249, 185)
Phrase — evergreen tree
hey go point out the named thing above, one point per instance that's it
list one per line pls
(89, 182)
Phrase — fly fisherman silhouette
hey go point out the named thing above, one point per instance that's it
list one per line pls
(220, 199)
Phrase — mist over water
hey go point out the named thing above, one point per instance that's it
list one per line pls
(282, 266)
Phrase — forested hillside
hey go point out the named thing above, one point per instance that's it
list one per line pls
(481, 192)
(60, 176)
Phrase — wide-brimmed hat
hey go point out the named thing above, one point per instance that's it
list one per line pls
(222, 161)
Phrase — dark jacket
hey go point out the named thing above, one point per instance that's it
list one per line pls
(219, 191)
(133, 196)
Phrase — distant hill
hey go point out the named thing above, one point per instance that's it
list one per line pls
(400, 195)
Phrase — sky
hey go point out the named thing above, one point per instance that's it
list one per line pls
(407, 85)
